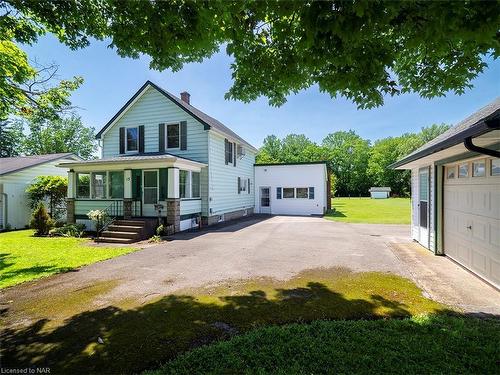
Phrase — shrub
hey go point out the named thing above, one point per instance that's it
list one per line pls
(51, 189)
(40, 220)
(69, 230)
(98, 217)
(160, 230)
(155, 239)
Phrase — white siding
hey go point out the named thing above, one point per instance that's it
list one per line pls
(223, 179)
(14, 186)
(82, 207)
(191, 206)
(293, 176)
(151, 109)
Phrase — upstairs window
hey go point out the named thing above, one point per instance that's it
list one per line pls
(228, 148)
(173, 136)
(132, 141)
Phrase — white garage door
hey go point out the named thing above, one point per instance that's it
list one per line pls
(472, 218)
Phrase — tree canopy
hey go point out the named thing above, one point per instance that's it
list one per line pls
(356, 164)
(360, 50)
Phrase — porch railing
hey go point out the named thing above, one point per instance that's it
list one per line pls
(136, 208)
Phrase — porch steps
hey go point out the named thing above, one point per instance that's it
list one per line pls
(127, 231)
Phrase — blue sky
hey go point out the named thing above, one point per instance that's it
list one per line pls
(111, 80)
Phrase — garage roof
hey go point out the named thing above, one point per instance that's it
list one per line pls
(478, 123)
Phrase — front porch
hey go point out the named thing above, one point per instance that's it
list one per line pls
(130, 187)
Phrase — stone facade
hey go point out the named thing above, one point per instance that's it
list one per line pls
(70, 210)
(174, 213)
(127, 208)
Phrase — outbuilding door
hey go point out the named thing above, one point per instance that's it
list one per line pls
(265, 200)
(423, 206)
(471, 218)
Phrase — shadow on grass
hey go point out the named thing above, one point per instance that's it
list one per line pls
(335, 213)
(31, 273)
(144, 337)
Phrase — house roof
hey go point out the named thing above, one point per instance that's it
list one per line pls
(208, 121)
(15, 164)
(380, 189)
(480, 122)
(151, 156)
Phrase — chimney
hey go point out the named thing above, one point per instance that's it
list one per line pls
(185, 97)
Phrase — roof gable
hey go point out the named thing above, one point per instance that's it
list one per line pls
(207, 121)
(16, 164)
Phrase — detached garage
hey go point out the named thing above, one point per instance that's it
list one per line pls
(456, 193)
(292, 189)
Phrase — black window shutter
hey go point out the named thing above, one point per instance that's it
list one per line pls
(239, 185)
(234, 154)
(163, 183)
(226, 151)
(311, 193)
(248, 186)
(122, 140)
(183, 135)
(161, 137)
(278, 193)
(141, 139)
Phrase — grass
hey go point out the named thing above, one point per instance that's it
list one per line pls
(422, 345)
(137, 336)
(24, 257)
(373, 211)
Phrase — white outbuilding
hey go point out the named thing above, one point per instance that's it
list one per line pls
(292, 188)
(381, 192)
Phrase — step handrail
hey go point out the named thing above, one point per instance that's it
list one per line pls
(114, 210)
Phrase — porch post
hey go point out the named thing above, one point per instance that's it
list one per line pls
(70, 199)
(127, 194)
(173, 200)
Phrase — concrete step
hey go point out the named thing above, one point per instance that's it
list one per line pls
(115, 240)
(117, 234)
(125, 228)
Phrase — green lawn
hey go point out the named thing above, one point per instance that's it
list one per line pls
(373, 211)
(137, 336)
(422, 345)
(24, 257)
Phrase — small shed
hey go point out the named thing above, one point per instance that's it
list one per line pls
(381, 192)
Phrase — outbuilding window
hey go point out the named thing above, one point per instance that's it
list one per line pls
(450, 172)
(302, 193)
(288, 192)
(463, 170)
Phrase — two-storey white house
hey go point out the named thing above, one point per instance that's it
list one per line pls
(163, 157)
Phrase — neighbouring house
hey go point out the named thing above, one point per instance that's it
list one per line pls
(292, 189)
(381, 192)
(164, 158)
(455, 180)
(16, 174)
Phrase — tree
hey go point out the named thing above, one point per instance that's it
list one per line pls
(27, 88)
(361, 50)
(52, 189)
(63, 134)
(270, 152)
(428, 133)
(11, 139)
(40, 220)
(348, 155)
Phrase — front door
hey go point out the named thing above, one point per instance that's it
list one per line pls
(150, 192)
(265, 200)
(423, 206)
